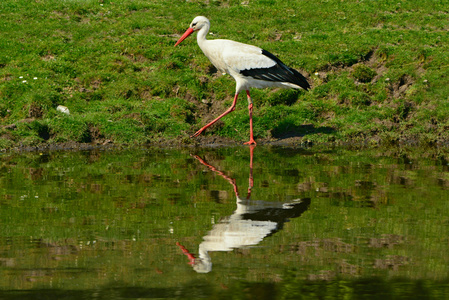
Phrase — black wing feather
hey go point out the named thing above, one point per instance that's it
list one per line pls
(279, 72)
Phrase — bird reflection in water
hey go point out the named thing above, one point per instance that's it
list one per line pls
(250, 223)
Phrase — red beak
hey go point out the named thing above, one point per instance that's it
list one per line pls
(184, 36)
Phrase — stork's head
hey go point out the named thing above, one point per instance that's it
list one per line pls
(197, 23)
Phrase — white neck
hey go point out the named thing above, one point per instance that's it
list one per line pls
(201, 35)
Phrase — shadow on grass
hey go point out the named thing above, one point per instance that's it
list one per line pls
(285, 130)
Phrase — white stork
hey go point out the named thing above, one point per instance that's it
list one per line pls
(249, 65)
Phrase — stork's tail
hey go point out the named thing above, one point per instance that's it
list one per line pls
(300, 79)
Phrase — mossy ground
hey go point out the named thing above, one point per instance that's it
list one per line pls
(378, 71)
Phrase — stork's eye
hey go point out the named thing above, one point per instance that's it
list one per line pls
(193, 24)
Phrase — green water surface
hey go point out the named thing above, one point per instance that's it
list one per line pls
(110, 224)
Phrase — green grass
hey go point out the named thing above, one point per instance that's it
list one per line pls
(378, 69)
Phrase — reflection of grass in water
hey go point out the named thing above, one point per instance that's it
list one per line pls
(105, 215)
(378, 72)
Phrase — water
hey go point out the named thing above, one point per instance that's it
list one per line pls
(245, 223)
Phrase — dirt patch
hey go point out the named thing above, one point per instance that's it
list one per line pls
(96, 136)
(398, 88)
(35, 111)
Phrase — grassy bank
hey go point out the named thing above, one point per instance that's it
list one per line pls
(378, 71)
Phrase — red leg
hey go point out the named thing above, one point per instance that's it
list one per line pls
(231, 180)
(219, 117)
(251, 180)
(250, 108)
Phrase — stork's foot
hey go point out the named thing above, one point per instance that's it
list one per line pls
(251, 142)
(197, 133)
